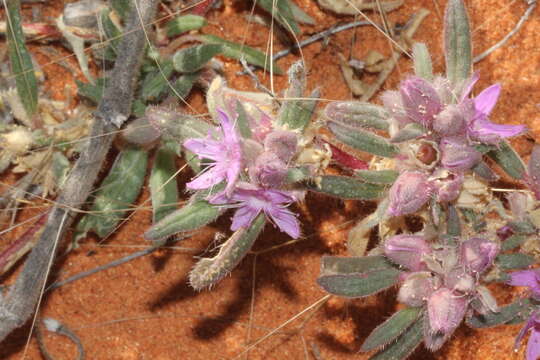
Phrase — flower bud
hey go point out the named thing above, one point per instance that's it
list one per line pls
(459, 280)
(445, 311)
(282, 143)
(417, 288)
(456, 155)
(407, 250)
(409, 193)
(268, 171)
(533, 171)
(447, 185)
(478, 254)
(420, 100)
(450, 121)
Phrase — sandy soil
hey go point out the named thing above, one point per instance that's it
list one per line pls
(145, 310)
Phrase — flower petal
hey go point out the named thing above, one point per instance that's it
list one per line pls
(285, 220)
(530, 278)
(205, 148)
(210, 177)
(468, 85)
(488, 132)
(486, 100)
(243, 217)
(533, 346)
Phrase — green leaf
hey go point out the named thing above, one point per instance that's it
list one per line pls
(457, 42)
(363, 140)
(184, 84)
(484, 171)
(408, 132)
(155, 84)
(207, 272)
(92, 92)
(282, 12)
(508, 160)
(343, 265)
(506, 314)
(522, 227)
(238, 51)
(242, 121)
(453, 223)
(513, 242)
(20, 60)
(357, 115)
(191, 217)
(377, 176)
(300, 16)
(422, 61)
(121, 7)
(294, 113)
(162, 182)
(514, 261)
(116, 193)
(347, 188)
(360, 284)
(405, 344)
(193, 58)
(112, 33)
(391, 329)
(184, 23)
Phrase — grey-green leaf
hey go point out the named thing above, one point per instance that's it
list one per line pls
(408, 132)
(191, 217)
(193, 58)
(506, 314)
(457, 42)
(282, 12)
(392, 328)
(405, 344)
(162, 182)
(154, 83)
(514, 261)
(20, 59)
(377, 176)
(513, 242)
(209, 271)
(506, 157)
(343, 265)
(116, 193)
(184, 23)
(363, 140)
(422, 61)
(359, 285)
(295, 113)
(357, 115)
(239, 51)
(347, 188)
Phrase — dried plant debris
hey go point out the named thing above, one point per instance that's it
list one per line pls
(353, 7)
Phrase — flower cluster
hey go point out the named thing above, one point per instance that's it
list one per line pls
(449, 125)
(444, 279)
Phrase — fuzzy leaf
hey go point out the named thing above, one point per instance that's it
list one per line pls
(522, 227)
(347, 188)
(484, 171)
(154, 83)
(513, 242)
(405, 344)
(344, 265)
(20, 59)
(282, 12)
(514, 261)
(377, 177)
(238, 51)
(112, 33)
(116, 193)
(121, 7)
(392, 328)
(296, 114)
(183, 85)
(184, 23)
(300, 16)
(457, 42)
(508, 160)
(162, 182)
(193, 58)
(360, 284)
(453, 224)
(422, 61)
(92, 92)
(357, 115)
(207, 272)
(191, 217)
(506, 314)
(363, 140)
(409, 132)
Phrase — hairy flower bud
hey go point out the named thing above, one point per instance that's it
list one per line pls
(456, 155)
(459, 280)
(445, 310)
(268, 171)
(478, 254)
(407, 250)
(447, 185)
(417, 288)
(282, 143)
(450, 121)
(420, 100)
(409, 193)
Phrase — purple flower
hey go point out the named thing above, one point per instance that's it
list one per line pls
(269, 171)
(251, 200)
(457, 155)
(478, 254)
(226, 154)
(483, 130)
(420, 100)
(530, 278)
(445, 310)
(533, 345)
(407, 250)
(533, 171)
(409, 193)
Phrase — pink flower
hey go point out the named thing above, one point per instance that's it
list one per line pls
(225, 154)
(533, 345)
(251, 200)
(529, 278)
(407, 251)
(409, 193)
(420, 100)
